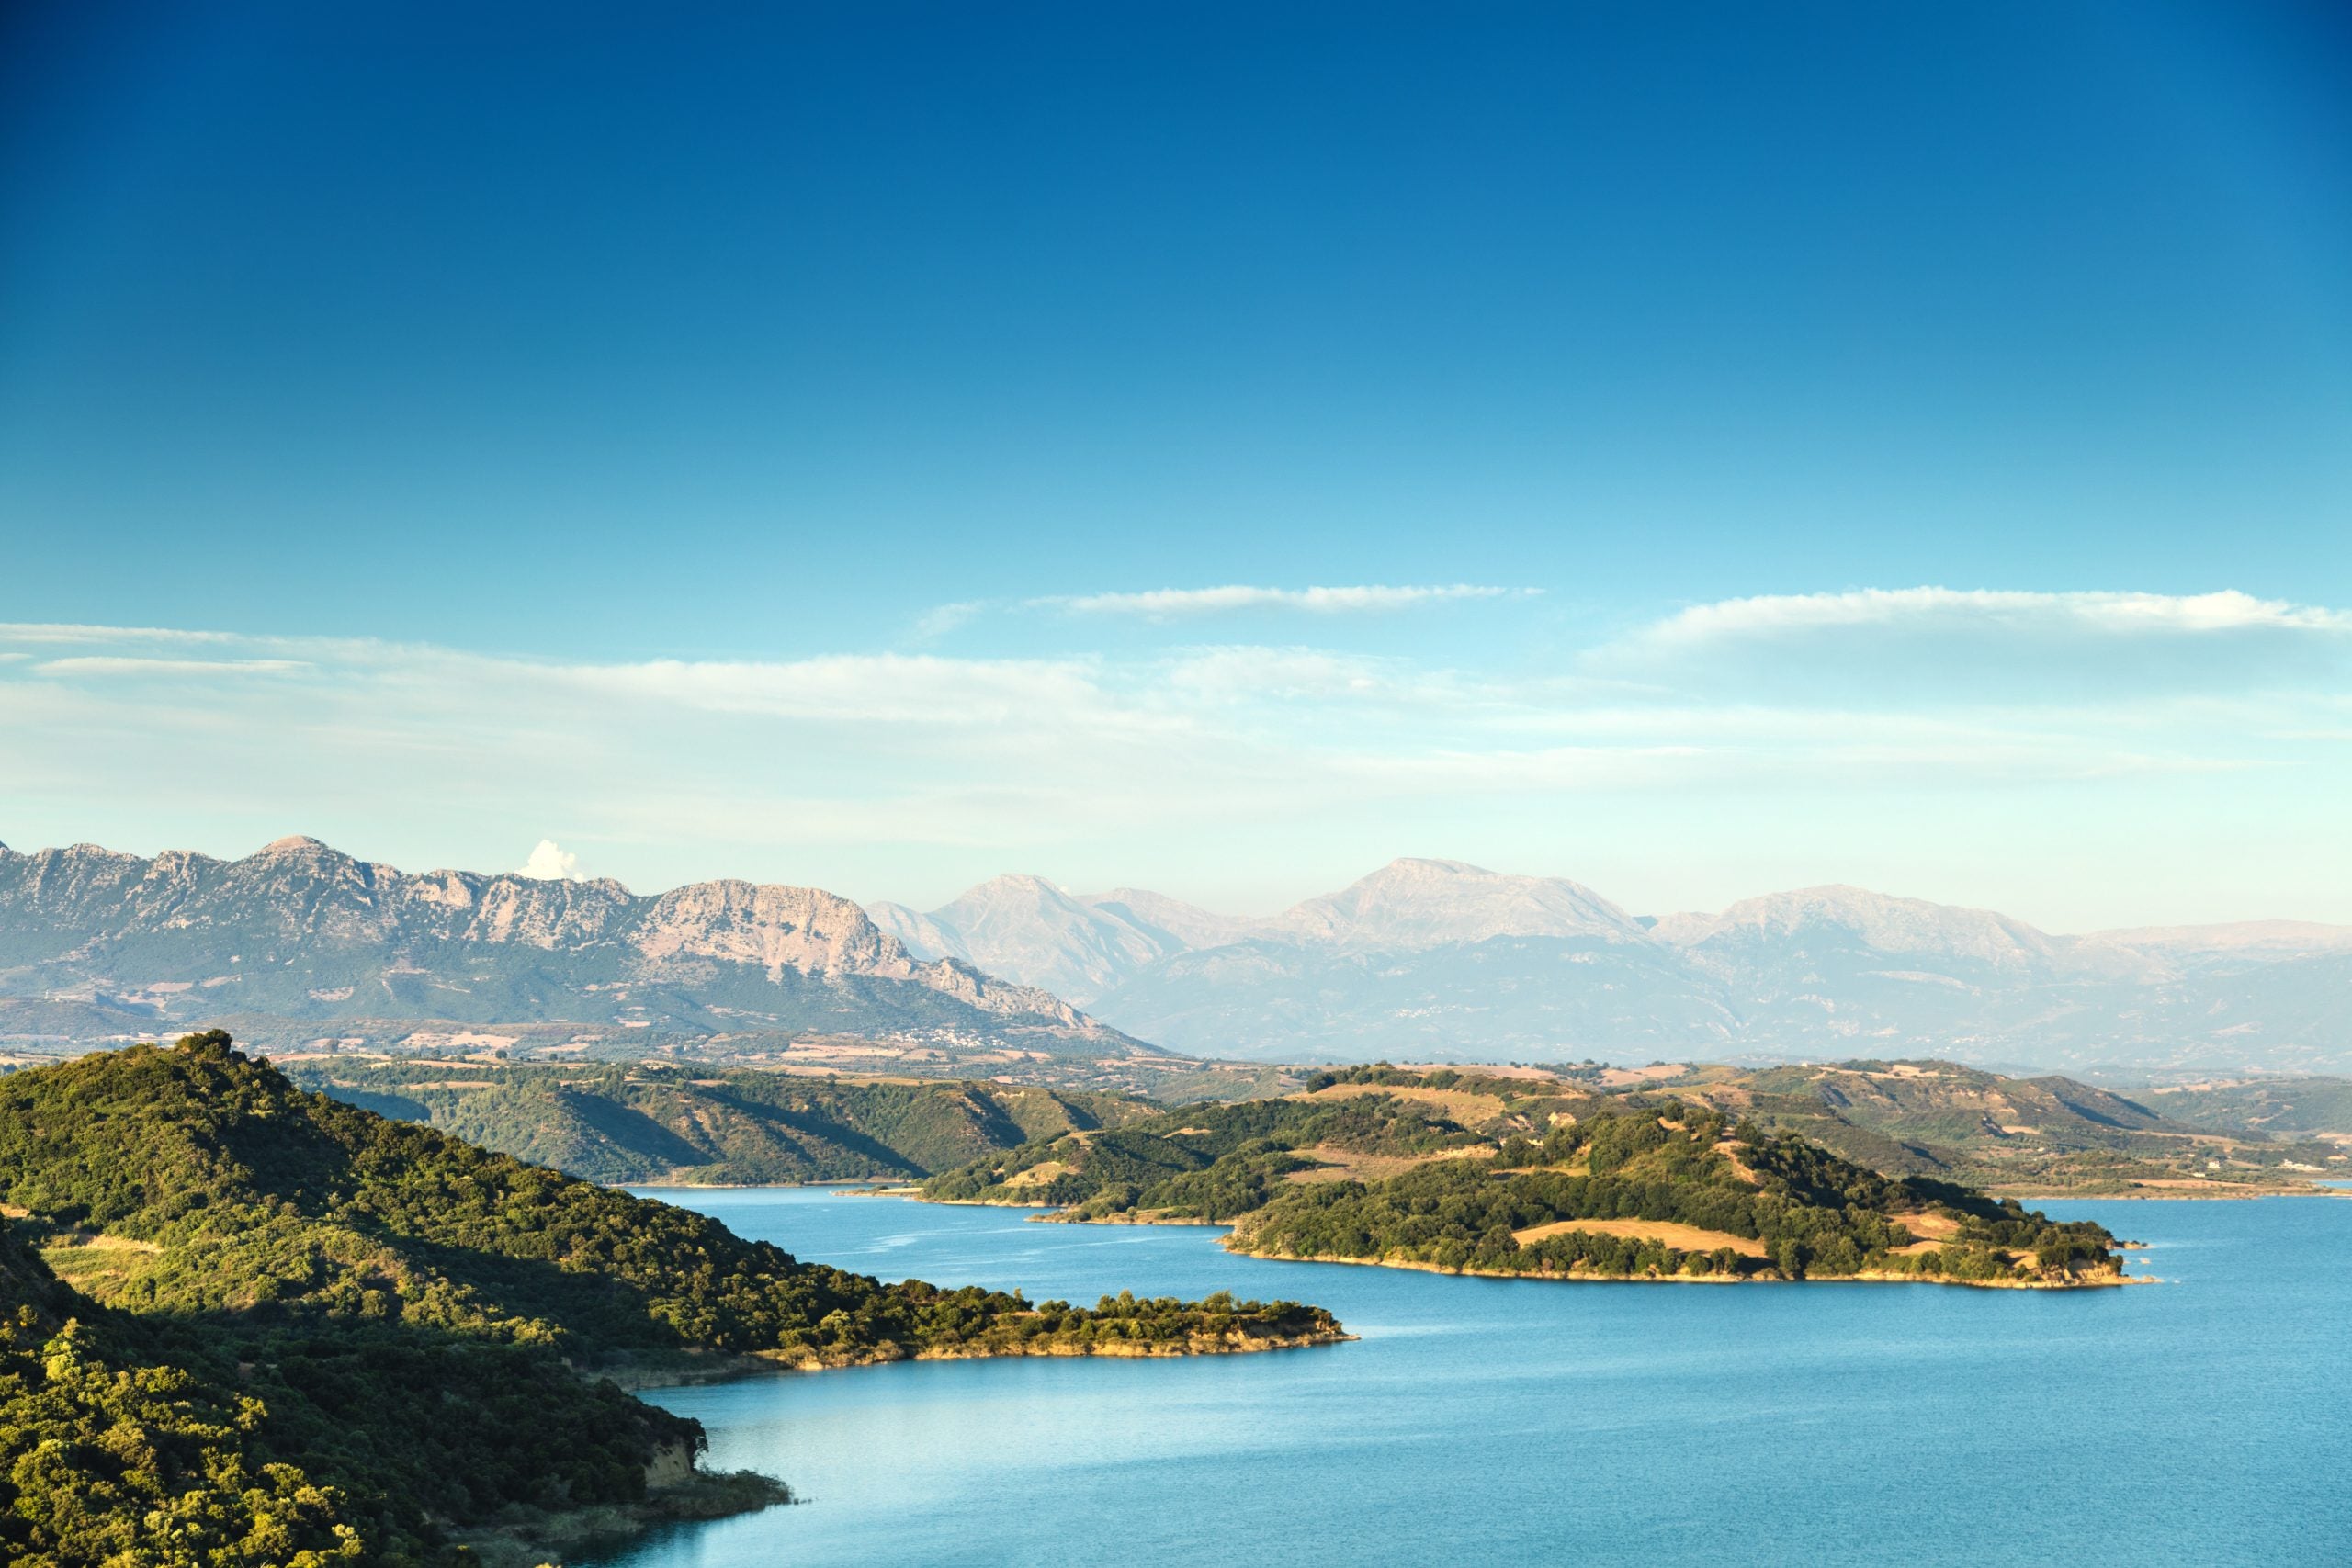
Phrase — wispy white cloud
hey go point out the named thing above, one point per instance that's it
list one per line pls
(1175, 603)
(50, 632)
(2107, 613)
(110, 664)
(1922, 649)
(996, 758)
(855, 689)
(1243, 674)
(941, 619)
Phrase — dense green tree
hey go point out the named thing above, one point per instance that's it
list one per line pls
(1811, 1214)
(378, 1327)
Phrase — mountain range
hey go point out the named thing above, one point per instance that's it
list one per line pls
(1429, 960)
(302, 931)
(1439, 960)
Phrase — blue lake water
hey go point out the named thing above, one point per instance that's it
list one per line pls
(2204, 1420)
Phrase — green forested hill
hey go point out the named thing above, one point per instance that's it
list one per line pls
(1510, 1175)
(649, 1122)
(398, 1315)
(110, 1456)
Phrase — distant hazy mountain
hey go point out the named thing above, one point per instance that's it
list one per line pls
(1074, 945)
(1184, 925)
(1422, 960)
(302, 931)
(1782, 924)
(2236, 942)
(1414, 905)
(1437, 959)
(1026, 924)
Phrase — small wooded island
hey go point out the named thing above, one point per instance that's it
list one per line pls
(1472, 1175)
(239, 1323)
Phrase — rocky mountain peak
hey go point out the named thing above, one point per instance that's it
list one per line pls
(301, 928)
(294, 844)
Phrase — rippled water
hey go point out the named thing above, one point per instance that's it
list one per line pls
(2204, 1420)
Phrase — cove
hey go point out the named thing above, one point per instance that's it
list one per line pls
(2205, 1420)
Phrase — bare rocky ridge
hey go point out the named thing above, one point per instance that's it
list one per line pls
(302, 930)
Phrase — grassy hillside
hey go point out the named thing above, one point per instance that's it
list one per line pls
(1520, 1176)
(2022, 1135)
(400, 1314)
(2283, 1108)
(650, 1122)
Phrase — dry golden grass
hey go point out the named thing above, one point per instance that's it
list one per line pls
(1685, 1238)
(1040, 1174)
(1347, 1164)
(81, 1241)
(95, 1265)
(1489, 1071)
(1923, 1223)
(1617, 1078)
(1731, 1149)
(1468, 1109)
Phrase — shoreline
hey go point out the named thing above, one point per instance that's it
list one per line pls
(2171, 1197)
(708, 1367)
(702, 1496)
(1871, 1278)
(897, 1188)
(1052, 1216)
(845, 1181)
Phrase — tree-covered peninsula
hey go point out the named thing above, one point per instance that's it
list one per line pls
(1475, 1175)
(263, 1326)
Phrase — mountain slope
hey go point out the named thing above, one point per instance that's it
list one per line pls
(2277, 1107)
(2039, 1135)
(409, 1310)
(1506, 998)
(1858, 920)
(2238, 944)
(653, 1124)
(1413, 904)
(1437, 960)
(1423, 958)
(1026, 926)
(302, 931)
(1172, 921)
(112, 1452)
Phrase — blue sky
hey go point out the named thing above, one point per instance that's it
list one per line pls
(1741, 446)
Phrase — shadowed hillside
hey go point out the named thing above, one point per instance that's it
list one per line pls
(650, 1124)
(406, 1317)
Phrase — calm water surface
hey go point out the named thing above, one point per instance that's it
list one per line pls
(2204, 1420)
